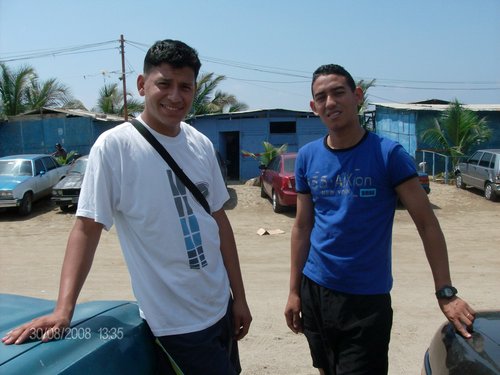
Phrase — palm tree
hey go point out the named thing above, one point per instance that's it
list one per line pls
(111, 101)
(49, 93)
(207, 100)
(13, 87)
(457, 131)
(364, 86)
(21, 90)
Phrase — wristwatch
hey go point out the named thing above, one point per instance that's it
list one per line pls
(446, 292)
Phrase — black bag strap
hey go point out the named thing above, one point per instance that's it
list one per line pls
(171, 162)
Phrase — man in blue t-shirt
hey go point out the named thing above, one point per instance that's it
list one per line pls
(348, 185)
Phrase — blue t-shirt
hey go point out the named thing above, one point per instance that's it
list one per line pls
(354, 203)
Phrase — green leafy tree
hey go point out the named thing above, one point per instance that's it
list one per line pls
(110, 101)
(13, 86)
(364, 86)
(21, 90)
(209, 100)
(457, 131)
(269, 152)
(49, 93)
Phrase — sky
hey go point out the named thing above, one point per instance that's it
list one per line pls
(267, 49)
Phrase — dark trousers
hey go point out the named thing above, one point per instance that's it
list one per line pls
(212, 351)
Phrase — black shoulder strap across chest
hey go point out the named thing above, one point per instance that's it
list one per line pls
(171, 162)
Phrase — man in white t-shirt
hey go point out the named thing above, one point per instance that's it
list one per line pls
(182, 260)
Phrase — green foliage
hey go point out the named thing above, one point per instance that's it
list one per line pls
(21, 90)
(13, 86)
(208, 100)
(110, 101)
(66, 160)
(269, 152)
(364, 86)
(457, 131)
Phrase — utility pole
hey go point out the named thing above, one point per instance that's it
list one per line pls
(122, 49)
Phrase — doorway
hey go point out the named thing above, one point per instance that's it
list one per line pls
(230, 151)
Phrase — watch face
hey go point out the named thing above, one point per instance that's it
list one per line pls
(448, 292)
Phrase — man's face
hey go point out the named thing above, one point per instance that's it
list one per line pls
(334, 102)
(168, 95)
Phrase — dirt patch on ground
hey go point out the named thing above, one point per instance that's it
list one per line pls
(32, 249)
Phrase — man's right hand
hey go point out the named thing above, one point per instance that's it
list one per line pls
(44, 328)
(293, 313)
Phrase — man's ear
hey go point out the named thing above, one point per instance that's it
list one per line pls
(313, 107)
(359, 94)
(140, 84)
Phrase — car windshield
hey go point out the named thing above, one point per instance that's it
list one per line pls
(16, 168)
(289, 165)
(79, 166)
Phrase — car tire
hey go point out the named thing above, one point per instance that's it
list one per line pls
(66, 208)
(262, 191)
(26, 204)
(459, 182)
(277, 207)
(489, 193)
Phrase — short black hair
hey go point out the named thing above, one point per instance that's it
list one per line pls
(327, 69)
(173, 52)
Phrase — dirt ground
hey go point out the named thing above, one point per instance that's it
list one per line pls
(32, 248)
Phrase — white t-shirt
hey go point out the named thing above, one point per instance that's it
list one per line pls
(170, 244)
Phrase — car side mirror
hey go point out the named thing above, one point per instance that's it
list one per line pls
(262, 166)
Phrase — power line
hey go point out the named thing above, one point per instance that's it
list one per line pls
(380, 82)
(34, 54)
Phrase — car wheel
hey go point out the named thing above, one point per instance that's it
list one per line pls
(277, 207)
(66, 208)
(459, 182)
(262, 191)
(489, 193)
(26, 204)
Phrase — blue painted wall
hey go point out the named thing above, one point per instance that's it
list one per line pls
(39, 134)
(407, 126)
(253, 128)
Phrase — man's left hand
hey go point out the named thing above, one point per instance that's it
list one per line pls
(459, 313)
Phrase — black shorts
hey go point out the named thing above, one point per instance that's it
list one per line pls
(347, 333)
(212, 351)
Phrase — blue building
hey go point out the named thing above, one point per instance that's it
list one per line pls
(39, 131)
(406, 123)
(233, 132)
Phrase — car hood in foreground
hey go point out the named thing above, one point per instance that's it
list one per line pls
(106, 337)
(449, 353)
(10, 182)
(71, 181)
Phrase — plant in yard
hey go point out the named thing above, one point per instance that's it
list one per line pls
(269, 152)
(457, 131)
(67, 159)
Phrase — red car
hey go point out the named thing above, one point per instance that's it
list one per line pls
(277, 181)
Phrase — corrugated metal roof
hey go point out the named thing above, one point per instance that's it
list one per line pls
(260, 113)
(439, 107)
(74, 112)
